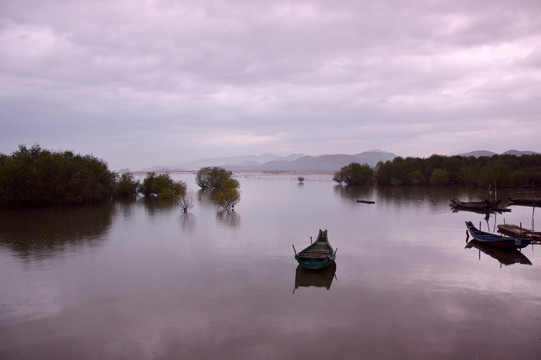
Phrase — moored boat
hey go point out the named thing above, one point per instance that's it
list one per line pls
(366, 201)
(495, 239)
(519, 231)
(318, 255)
(485, 206)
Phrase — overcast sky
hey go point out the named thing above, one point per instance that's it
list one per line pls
(142, 83)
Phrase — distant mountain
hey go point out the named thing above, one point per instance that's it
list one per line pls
(248, 160)
(162, 168)
(519, 153)
(293, 157)
(270, 162)
(323, 162)
(372, 157)
(480, 153)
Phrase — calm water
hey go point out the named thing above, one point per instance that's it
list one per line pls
(140, 280)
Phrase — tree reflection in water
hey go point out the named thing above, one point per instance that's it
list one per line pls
(45, 232)
(228, 217)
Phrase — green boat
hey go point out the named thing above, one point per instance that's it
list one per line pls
(318, 255)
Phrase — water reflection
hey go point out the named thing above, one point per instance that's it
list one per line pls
(354, 192)
(44, 232)
(504, 256)
(488, 227)
(187, 221)
(155, 206)
(228, 217)
(456, 209)
(435, 195)
(125, 206)
(217, 291)
(205, 198)
(317, 278)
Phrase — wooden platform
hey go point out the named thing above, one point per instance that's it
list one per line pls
(518, 231)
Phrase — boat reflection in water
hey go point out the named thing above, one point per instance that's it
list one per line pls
(504, 256)
(318, 278)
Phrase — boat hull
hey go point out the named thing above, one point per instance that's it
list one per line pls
(495, 240)
(317, 255)
(314, 264)
(478, 206)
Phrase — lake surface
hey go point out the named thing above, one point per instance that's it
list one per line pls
(141, 280)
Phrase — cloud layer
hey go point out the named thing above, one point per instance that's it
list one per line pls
(141, 83)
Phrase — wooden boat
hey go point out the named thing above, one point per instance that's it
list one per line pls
(520, 232)
(318, 255)
(477, 206)
(525, 201)
(495, 239)
(504, 256)
(366, 201)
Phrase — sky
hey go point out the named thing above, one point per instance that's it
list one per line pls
(160, 82)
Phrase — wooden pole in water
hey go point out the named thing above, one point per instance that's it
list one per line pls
(533, 212)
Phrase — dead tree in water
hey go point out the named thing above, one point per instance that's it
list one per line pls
(186, 201)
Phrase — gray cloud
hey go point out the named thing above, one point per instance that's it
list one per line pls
(162, 82)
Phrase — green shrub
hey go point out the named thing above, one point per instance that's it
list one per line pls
(355, 174)
(162, 186)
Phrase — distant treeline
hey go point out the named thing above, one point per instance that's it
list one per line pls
(503, 170)
(38, 178)
(35, 177)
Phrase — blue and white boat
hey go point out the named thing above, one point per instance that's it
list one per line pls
(496, 240)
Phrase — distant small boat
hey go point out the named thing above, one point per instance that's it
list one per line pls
(525, 201)
(495, 239)
(519, 231)
(366, 201)
(478, 206)
(318, 255)
(504, 256)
